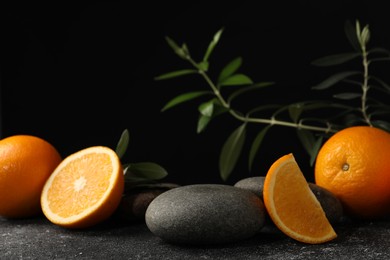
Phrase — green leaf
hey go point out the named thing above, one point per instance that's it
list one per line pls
(332, 80)
(247, 89)
(229, 69)
(212, 44)
(310, 143)
(350, 32)
(381, 82)
(295, 111)
(381, 124)
(335, 59)
(145, 170)
(203, 121)
(236, 79)
(365, 36)
(207, 108)
(183, 98)
(123, 143)
(203, 65)
(347, 96)
(175, 47)
(231, 151)
(379, 50)
(175, 74)
(256, 145)
(316, 147)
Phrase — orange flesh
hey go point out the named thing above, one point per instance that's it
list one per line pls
(297, 212)
(292, 206)
(81, 190)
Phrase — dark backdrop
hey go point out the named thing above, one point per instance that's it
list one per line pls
(78, 74)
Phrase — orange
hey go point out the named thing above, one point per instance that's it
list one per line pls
(354, 164)
(84, 189)
(291, 204)
(26, 162)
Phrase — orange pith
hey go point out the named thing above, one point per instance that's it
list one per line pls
(85, 188)
(292, 206)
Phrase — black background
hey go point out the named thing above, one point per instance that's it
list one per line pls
(78, 74)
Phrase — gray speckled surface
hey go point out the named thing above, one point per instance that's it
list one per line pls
(38, 239)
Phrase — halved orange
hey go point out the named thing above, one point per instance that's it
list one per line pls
(291, 204)
(84, 189)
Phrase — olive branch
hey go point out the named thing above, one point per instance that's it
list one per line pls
(311, 130)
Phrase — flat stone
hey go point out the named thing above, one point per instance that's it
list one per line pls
(205, 214)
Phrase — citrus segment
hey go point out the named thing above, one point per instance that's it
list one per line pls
(354, 165)
(26, 162)
(84, 189)
(291, 204)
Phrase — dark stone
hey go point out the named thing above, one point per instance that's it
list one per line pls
(205, 214)
(254, 184)
(136, 200)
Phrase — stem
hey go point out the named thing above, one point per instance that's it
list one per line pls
(365, 86)
(235, 114)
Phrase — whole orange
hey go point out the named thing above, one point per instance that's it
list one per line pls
(354, 164)
(26, 162)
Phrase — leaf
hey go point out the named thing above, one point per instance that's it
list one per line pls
(207, 108)
(183, 98)
(208, 111)
(256, 145)
(347, 96)
(123, 143)
(307, 139)
(350, 32)
(145, 170)
(175, 74)
(335, 59)
(203, 65)
(310, 143)
(175, 47)
(247, 89)
(381, 82)
(295, 111)
(231, 151)
(229, 69)
(316, 147)
(381, 124)
(236, 79)
(212, 44)
(330, 81)
(379, 50)
(203, 121)
(365, 36)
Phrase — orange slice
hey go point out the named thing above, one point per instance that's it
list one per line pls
(291, 204)
(84, 189)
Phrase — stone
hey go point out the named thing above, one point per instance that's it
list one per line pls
(205, 214)
(254, 184)
(136, 200)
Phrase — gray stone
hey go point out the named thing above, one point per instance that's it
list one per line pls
(205, 214)
(254, 184)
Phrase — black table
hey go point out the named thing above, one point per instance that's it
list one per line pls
(37, 238)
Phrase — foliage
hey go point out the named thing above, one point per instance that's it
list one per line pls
(311, 130)
(140, 173)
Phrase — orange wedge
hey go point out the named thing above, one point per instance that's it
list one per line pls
(84, 189)
(292, 206)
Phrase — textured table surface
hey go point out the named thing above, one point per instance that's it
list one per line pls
(39, 239)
